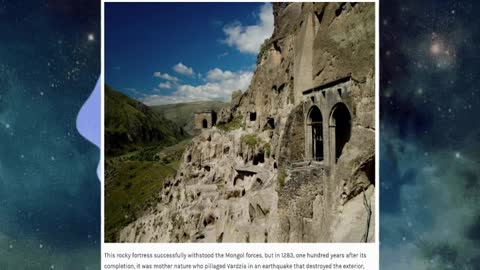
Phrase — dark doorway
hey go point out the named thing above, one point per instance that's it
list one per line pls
(270, 123)
(315, 120)
(343, 127)
(253, 116)
(205, 123)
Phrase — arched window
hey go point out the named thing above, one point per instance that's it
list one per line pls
(205, 123)
(341, 122)
(315, 126)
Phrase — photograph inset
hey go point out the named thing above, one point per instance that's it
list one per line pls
(240, 122)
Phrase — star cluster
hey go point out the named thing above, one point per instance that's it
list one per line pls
(49, 192)
(430, 139)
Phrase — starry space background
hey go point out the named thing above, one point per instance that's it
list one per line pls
(430, 137)
(49, 191)
(429, 134)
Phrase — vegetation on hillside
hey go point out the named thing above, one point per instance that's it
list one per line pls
(263, 49)
(250, 139)
(236, 123)
(134, 189)
(133, 182)
(282, 175)
(143, 150)
(130, 125)
(144, 147)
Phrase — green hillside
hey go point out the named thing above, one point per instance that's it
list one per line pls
(133, 182)
(129, 124)
(183, 113)
(142, 149)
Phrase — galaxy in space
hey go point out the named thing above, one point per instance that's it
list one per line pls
(429, 135)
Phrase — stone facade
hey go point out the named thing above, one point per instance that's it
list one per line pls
(325, 108)
(205, 119)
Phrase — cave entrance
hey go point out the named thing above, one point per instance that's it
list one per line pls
(270, 123)
(253, 116)
(205, 123)
(341, 127)
(315, 125)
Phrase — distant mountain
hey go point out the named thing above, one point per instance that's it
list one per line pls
(183, 113)
(130, 124)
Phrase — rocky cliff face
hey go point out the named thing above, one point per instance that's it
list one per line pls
(293, 159)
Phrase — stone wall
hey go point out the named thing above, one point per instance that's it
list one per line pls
(206, 119)
(292, 147)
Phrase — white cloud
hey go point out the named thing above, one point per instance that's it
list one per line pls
(222, 54)
(217, 74)
(248, 39)
(182, 69)
(219, 86)
(165, 76)
(165, 85)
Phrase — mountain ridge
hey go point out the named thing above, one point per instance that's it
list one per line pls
(130, 124)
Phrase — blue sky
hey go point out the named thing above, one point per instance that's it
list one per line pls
(179, 52)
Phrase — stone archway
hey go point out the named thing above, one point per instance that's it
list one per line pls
(340, 129)
(315, 133)
(204, 123)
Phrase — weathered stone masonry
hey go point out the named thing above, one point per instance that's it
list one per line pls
(327, 121)
(205, 119)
